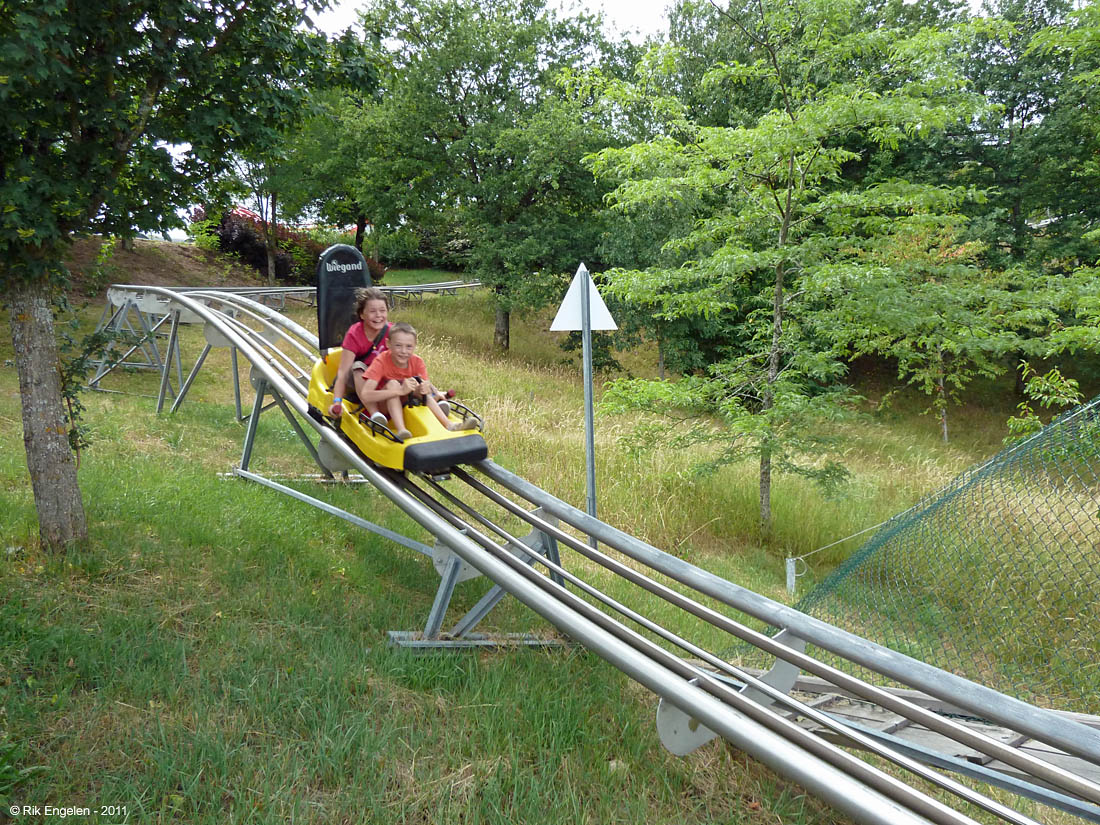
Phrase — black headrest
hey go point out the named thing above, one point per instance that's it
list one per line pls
(341, 270)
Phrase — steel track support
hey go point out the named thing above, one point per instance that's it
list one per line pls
(542, 545)
(174, 352)
(385, 533)
(173, 346)
(146, 341)
(104, 324)
(443, 597)
(451, 567)
(190, 378)
(681, 734)
(262, 389)
(301, 433)
(253, 422)
(550, 546)
(480, 610)
(453, 570)
(236, 383)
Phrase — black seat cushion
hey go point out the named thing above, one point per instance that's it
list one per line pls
(432, 456)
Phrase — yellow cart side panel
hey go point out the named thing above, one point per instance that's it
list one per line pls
(376, 446)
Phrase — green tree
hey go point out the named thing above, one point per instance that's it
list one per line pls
(474, 142)
(775, 213)
(320, 158)
(93, 94)
(321, 167)
(1077, 42)
(921, 298)
(538, 217)
(1028, 148)
(260, 177)
(1030, 151)
(703, 37)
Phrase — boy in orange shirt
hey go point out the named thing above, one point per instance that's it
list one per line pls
(398, 373)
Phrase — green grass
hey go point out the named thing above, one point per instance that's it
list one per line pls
(411, 277)
(217, 652)
(226, 662)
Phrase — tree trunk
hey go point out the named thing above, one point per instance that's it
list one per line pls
(774, 358)
(941, 386)
(765, 491)
(502, 329)
(50, 459)
(360, 231)
(270, 242)
(943, 409)
(1020, 387)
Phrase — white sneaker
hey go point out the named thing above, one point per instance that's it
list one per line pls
(445, 407)
(378, 418)
(469, 423)
(403, 435)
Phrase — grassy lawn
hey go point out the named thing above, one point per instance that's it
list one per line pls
(218, 653)
(410, 277)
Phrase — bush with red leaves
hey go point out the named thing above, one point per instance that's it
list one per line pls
(241, 233)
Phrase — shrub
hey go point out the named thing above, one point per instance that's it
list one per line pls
(401, 247)
(204, 233)
(376, 269)
(240, 233)
(327, 236)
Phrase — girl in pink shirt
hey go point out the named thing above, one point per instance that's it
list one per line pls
(365, 339)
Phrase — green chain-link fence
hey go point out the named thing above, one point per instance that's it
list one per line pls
(997, 577)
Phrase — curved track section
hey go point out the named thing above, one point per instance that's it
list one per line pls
(753, 712)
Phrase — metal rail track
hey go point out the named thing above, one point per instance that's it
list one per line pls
(754, 713)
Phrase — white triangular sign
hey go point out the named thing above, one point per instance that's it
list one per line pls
(569, 315)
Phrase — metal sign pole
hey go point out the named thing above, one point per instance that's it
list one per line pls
(583, 309)
(589, 418)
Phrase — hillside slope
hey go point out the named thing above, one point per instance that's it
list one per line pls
(154, 263)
